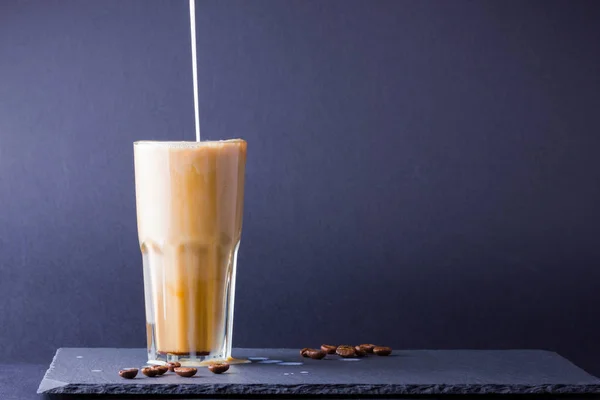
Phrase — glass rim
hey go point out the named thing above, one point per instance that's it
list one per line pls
(186, 143)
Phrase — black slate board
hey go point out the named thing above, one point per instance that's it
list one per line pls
(415, 372)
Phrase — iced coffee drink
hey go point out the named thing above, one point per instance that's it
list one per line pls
(189, 199)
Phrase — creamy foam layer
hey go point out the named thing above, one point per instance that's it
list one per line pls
(190, 145)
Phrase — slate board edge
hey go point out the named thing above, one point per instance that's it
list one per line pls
(48, 385)
(327, 390)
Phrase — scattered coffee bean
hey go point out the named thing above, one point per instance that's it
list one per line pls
(128, 373)
(218, 368)
(150, 372)
(360, 352)
(329, 349)
(345, 351)
(186, 372)
(315, 354)
(161, 369)
(382, 350)
(367, 347)
(172, 365)
(303, 352)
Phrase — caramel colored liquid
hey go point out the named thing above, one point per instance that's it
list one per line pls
(189, 207)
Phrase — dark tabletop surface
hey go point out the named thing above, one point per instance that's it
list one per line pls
(20, 381)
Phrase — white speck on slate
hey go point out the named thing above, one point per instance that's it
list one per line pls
(349, 359)
(79, 357)
(270, 362)
(304, 372)
(96, 370)
(286, 373)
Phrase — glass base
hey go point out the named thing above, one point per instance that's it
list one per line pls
(191, 360)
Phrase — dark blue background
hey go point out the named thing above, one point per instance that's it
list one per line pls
(422, 174)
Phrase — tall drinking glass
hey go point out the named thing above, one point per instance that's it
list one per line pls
(189, 198)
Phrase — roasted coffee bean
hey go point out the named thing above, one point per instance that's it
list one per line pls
(303, 352)
(186, 372)
(346, 351)
(161, 369)
(382, 350)
(312, 353)
(315, 354)
(367, 347)
(218, 368)
(150, 372)
(329, 349)
(360, 352)
(128, 373)
(172, 365)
